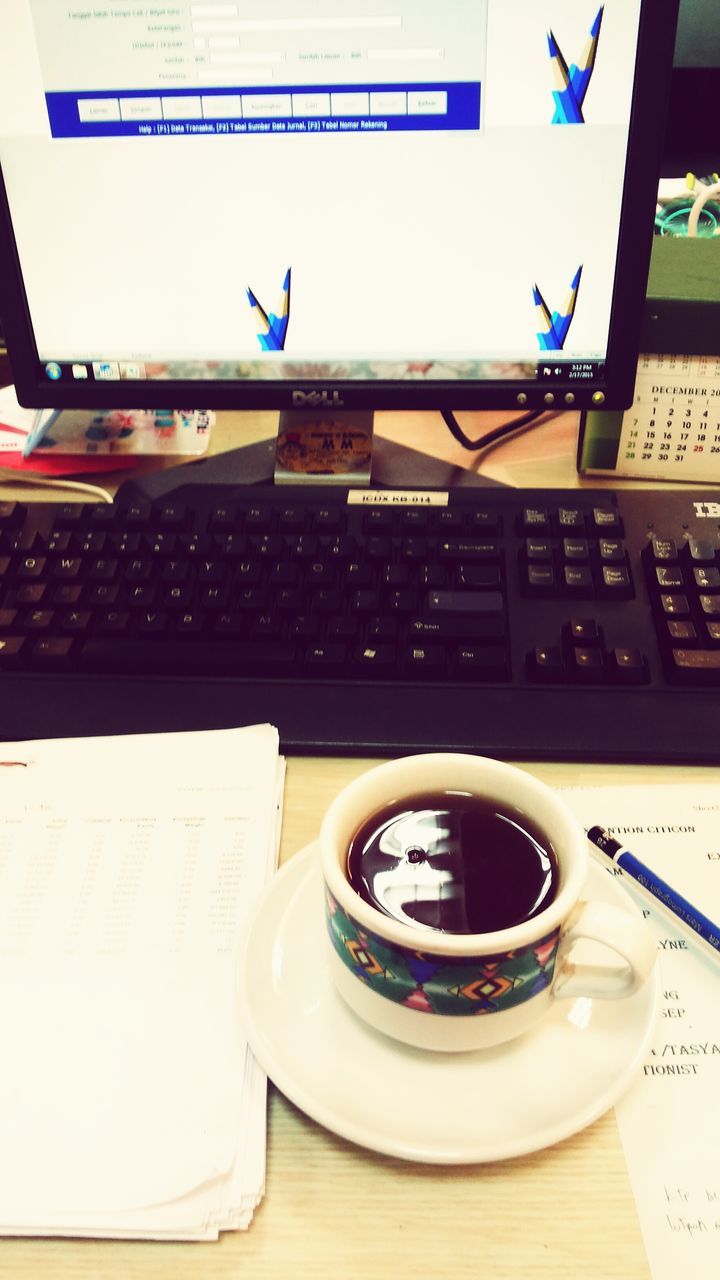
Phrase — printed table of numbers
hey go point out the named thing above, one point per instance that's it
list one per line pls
(672, 430)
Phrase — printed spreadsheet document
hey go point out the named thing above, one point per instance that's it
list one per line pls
(132, 1105)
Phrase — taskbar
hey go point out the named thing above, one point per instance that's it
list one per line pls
(549, 370)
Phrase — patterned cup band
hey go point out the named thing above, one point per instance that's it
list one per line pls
(463, 987)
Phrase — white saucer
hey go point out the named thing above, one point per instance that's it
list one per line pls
(441, 1108)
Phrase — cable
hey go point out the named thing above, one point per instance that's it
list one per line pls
(704, 194)
(516, 424)
(8, 475)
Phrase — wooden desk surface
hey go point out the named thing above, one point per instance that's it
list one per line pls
(542, 456)
(335, 1210)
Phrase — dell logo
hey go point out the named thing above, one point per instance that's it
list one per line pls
(318, 399)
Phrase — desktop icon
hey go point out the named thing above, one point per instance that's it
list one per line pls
(553, 328)
(105, 370)
(53, 371)
(272, 328)
(79, 372)
(571, 83)
(133, 371)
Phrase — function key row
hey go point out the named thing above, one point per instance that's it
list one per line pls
(265, 517)
(300, 516)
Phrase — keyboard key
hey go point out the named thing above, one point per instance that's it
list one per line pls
(586, 663)
(707, 579)
(627, 666)
(425, 660)
(576, 549)
(710, 606)
(676, 606)
(476, 575)
(204, 656)
(539, 550)
(12, 515)
(75, 621)
(152, 622)
(326, 658)
(491, 626)
(696, 666)
(375, 660)
(701, 550)
(31, 567)
(29, 593)
(616, 582)
(382, 629)
(307, 627)
(606, 520)
(38, 620)
(540, 580)
(481, 662)
(578, 581)
(611, 551)
(684, 631)
(67, 568)
(535, 520)
(571, 519)
(51, 652)
(585, 631)
(67, 593)
(664, 550)
(487, 521)
(475, 602)
(11, 649)
(469, 551)
(668, 579)
(545, 664)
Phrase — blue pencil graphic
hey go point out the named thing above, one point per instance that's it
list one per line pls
(272, 328)
(553, 327)
(571, 82)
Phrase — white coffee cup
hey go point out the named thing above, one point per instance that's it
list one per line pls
(457, 991)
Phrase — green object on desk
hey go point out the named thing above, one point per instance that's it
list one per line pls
(599, 440)
(682, 307)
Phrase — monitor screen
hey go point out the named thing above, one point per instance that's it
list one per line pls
(388, 204)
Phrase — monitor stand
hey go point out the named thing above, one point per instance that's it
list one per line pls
(394, 466)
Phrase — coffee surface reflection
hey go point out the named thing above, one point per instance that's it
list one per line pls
(453, 862)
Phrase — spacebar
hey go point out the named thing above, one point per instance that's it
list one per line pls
(189, 657)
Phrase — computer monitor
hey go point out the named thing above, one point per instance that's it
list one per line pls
(396, 204)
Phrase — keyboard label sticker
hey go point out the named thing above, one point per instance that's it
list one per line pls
(396, 498)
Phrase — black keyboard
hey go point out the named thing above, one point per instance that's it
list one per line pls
(518, 623)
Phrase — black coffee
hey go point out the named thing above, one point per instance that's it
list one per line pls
(453, 862)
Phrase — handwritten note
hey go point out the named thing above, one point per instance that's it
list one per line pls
(669, 1122)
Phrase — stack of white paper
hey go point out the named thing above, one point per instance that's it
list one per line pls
(131, 1104)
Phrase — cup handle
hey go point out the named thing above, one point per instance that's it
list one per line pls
(625, 936)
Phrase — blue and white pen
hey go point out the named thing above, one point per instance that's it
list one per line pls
(704, 931)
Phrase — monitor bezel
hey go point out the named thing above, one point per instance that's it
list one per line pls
(613, 389)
